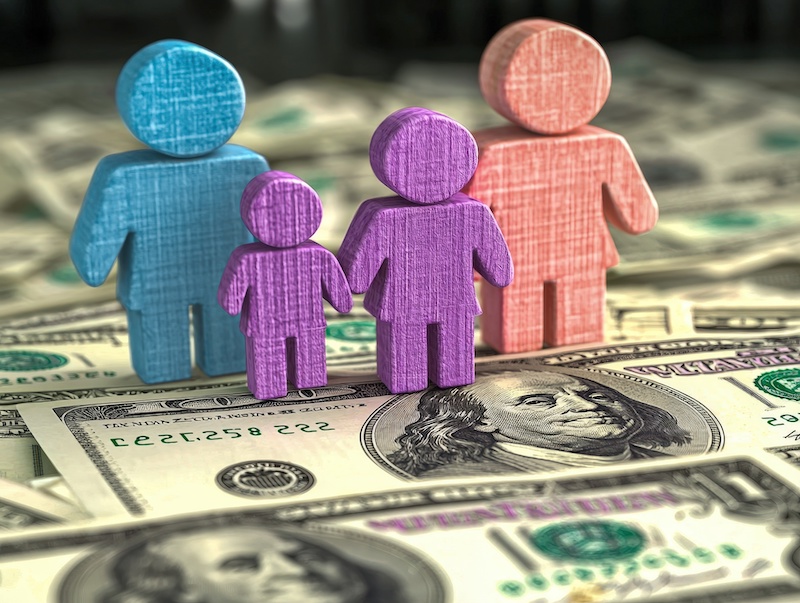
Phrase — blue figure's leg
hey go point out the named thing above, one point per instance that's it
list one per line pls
(219, 347)
(402, 356)
(306, 360)
(451, 351)
(159, 342)
(266, 367)
(577, 310)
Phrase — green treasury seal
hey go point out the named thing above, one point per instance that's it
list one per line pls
(589, 541)
(784, 383)
(20, 360)
(352, 330)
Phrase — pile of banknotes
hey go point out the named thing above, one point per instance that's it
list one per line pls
(662, 464)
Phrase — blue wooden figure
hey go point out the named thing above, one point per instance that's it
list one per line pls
(171, 212)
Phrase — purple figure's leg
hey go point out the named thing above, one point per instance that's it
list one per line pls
(451, 351)
(266, 367)
(218, 342)
(513, 317)
(159, 343)
(306, 359)
(402, 356)
(577, 310)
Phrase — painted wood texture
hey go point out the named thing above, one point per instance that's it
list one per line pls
(414, 254)
(553, 183)
(278, 285)
(170, 213)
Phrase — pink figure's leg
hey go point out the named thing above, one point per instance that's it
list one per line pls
(266, 367)
(306, 359)
(576, 312)
(513, 316)
(451, 351)
(402, 356)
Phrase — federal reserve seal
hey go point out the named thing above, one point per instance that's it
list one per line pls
(20, 360)
(784, 383)
(589, 541)
(265, 479)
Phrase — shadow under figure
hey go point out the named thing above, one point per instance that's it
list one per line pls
(530, 421)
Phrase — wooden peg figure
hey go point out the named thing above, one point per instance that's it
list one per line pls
(170, 212)
(414, 254)
(278, 284)
(552, 182)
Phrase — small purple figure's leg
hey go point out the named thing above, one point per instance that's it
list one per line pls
(402, 351)
(577, 310)
(159, 343)
(306, 359)
(451, 351)
(266, 367)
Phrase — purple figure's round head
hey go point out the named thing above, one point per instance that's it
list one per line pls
(280, 209)
(423, 156)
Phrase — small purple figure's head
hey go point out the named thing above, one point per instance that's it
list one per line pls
(423, 156)
(280, 209)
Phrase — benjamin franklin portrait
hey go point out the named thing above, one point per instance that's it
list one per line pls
(537, 420)
(250, 564)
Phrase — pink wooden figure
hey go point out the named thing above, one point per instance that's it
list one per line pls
(552, 182)
(414, 254)
(278, 285)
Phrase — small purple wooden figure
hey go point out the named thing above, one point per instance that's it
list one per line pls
(278, 285)
(414, 254)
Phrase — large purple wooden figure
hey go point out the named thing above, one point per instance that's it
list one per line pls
(414, 254)
(278, 285)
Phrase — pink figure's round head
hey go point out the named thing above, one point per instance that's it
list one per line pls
(423, 156)
(545, 76)
(280, 209)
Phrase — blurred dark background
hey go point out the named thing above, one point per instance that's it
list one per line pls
(282, 39)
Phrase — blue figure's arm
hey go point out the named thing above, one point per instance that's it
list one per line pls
(235, 282)
(334, 285)
(361, 254)
(102, 224)
(491, 256)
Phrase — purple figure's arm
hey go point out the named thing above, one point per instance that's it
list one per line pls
(334, 285)
(360, 254)
(491, 256)
(234, 283)
(628, 202)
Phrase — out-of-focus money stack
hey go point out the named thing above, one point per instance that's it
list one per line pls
(629, 470)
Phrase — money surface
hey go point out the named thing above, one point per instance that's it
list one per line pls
(714, 529)
(555, 410)
(22, 507)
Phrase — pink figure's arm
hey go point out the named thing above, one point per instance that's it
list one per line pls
(360, 254)
(491, 257)
(628, 202)
(334, 285)
(234, 283)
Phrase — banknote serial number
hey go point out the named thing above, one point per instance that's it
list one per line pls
(650, 561)
(782, 420)
(229, 433)
(57, 377)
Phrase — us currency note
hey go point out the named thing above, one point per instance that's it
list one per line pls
(555, 410)
(22, 507)
(712, 529)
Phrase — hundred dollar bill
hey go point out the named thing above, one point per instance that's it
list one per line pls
(580, 407)
(23, 507)
(712, 529)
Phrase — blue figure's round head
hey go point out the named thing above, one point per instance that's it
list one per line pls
(179, 98)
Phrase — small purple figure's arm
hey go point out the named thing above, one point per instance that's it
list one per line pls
(234, 283)
(360, 254)
(334, 285)
(491, 256)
